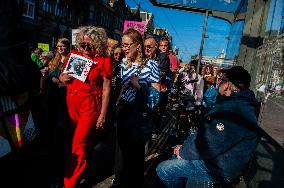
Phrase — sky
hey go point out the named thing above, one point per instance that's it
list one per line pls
(276, 15)
(186, 29)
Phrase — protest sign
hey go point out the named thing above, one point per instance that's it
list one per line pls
(43, 46)
(139, 26)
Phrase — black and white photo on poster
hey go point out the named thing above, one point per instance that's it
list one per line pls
(78, 67)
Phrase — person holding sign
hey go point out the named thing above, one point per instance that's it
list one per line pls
(87, 100)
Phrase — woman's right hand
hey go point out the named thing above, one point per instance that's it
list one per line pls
(134, 80)
(65, 77)
(44, 70)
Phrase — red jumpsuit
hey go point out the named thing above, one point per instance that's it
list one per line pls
(84, 105)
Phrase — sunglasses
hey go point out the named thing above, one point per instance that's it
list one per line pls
(60, 46)
(121, 54)
(148, 47)
(224, 79)
(125, 45)
(88, 46)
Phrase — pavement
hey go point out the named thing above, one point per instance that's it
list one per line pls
(267, 169)
(271, 119)
(32, 168)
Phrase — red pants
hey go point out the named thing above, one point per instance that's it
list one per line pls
(83, 113)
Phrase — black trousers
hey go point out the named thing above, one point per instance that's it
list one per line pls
(132, 149)
(158, 115)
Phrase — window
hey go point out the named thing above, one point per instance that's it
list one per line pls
(29, 9)
(58, 10)
(45, 6)
(92, 12)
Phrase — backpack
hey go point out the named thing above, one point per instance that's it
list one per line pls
(210, 96)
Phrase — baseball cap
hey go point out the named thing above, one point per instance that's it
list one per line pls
(239, 76)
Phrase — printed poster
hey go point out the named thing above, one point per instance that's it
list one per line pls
(78, 67)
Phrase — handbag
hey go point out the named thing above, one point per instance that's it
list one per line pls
(153, 98)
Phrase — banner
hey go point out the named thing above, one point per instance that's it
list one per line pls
(139, 26)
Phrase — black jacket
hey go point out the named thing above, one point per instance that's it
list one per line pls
(227, 137)
(163, 62)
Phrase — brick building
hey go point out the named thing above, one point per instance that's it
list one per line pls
(48, 20)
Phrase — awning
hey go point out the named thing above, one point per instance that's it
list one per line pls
(230, 10)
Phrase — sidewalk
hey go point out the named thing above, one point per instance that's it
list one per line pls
(271, 119)
(267, 170)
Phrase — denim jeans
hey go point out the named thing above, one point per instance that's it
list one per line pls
(176, 172)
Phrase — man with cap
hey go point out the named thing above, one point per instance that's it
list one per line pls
(221, 148)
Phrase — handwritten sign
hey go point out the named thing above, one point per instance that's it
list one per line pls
(43, 46)
(139, 26)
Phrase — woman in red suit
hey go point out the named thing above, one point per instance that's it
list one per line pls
(87, 101)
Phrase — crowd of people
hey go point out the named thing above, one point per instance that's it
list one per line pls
(129, 89)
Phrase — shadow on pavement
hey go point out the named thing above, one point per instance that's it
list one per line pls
(32, 167)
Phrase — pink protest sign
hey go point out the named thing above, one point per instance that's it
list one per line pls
(139, 26)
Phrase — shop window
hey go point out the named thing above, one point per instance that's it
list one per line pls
(58, 8)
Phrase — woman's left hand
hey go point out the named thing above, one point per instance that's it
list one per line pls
(100, 122)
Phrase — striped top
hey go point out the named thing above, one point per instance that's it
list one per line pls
(149, 74)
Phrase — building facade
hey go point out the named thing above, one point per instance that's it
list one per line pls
(218, 61)
(259, 49)
(270, 60)
(48, 20)
(148, 18)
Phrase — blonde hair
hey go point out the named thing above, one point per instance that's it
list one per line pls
(98, 38)
(137, 38)
(56, 61)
